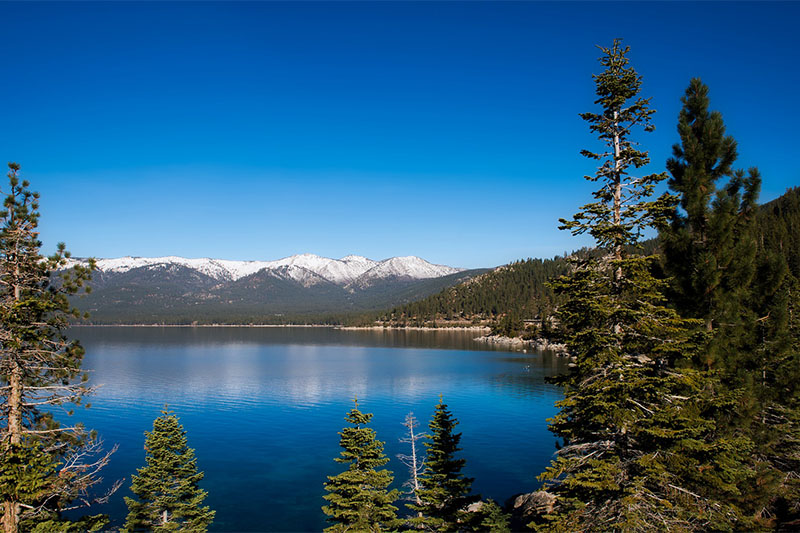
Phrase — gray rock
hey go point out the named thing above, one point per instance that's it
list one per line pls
(526, 507)
(475, 507)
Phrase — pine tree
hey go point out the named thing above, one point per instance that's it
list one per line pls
(445, 491)
(710, 245)
(45, 466)
(620, 213)
(638, 446)
(167, 487)
(358, 499)
(724, 275)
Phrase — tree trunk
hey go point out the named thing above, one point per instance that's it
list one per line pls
(617, 208)
(15, 404)
(414, 466)
(617, 196)
(10, 516)
(11, 508)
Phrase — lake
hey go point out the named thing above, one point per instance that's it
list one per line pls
(262, 408)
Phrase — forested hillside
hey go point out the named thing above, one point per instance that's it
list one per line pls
(509, 295)
(518, 289)
(778, 224)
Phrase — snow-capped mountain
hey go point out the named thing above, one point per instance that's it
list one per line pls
(306, 269)
(402, 268)
(177, 290)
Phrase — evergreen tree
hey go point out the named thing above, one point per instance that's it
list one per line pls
(777, 374)
(493, 519)
(445, 492)
(44, 466)
(168, 495)
(358, 499)
(639, 449)
(710, 245)
(726, 275)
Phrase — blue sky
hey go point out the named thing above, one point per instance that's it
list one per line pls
(444, 130)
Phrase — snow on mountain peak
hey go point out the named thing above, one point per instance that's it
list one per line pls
(409, 267)
(344, 271)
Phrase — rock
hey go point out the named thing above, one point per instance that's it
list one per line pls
(519, 343)
(475, 507)
(525, 508)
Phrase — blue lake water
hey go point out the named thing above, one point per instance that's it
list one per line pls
(262, 408)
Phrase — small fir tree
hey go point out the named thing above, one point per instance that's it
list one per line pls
(492, 518)
(358, 499)
(168, 496)
(445, 491)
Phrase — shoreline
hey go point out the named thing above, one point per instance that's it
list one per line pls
(415, 328)
(202, 326)
(512, 343)
(331, 326)
(519, 343)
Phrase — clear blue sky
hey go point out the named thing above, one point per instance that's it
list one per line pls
(444, 130)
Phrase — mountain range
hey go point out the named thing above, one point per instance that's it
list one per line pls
(181, 290)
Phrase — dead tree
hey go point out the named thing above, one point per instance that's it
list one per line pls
(414, 462)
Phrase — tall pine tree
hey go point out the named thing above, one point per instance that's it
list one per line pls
(724, 275)
(358, 499)
(710, 246)
(45, 466)
(638, 449)
(168, 495)
(445, 491)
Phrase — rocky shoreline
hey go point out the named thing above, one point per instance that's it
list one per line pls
(518, 343)
(417, 328)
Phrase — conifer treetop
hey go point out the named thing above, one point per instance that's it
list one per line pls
(445, 492)
(358, 499)
(709, 247)
(619, 214)
(168, 495)
(704, 155)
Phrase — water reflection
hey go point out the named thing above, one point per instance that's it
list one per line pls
(263, 407)
(395, 338)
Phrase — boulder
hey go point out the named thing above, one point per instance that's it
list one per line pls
(526, 508)
(475, 507)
